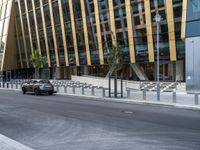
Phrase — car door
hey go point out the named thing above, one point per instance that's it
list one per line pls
(31, 85)
(27, 86)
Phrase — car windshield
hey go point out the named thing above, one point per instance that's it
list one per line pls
(44, 81)
(33, 81)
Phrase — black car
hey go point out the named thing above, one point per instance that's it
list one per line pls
(38, 87)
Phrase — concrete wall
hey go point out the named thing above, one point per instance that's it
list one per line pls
(192, 65)
(179, 70)
(98, 81)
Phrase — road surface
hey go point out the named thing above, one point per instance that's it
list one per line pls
(75, 123)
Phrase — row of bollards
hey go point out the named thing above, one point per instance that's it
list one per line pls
(196, 99)
(174, 96)
(14, 85)
(92, 88)
(10, 85)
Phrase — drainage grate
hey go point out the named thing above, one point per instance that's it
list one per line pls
(127, 112)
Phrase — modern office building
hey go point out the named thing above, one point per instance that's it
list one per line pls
(192, 43)
(74, 36)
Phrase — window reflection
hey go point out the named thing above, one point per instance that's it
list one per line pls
(5, 11)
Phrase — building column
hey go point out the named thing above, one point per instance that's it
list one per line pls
(179, 70)
(164, 72)
(75, 71)
(45, 73)
(85, 70)
(65, 72)
(171, 71)
(57, 73)
(155, 71)
(130, 72)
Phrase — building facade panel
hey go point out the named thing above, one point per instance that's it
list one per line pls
(130, 31)
(85, 28)
(19, 53)
(29, 28)
(171, 29)
(78, 33)
(98, 31)
(23, 35)
(53, 34)
(63, 33)
(149, 30)
(46, 47)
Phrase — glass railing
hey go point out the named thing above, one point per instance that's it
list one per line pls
(82, 57)
(94, 56)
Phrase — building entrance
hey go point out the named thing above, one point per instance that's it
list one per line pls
(8, 76)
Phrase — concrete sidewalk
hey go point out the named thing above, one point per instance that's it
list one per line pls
(183, 100)
(9, 144)
(137, 101)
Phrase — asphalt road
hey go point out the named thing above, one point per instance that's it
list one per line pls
(72, 123)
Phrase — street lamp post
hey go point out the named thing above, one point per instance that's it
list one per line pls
(158, 19)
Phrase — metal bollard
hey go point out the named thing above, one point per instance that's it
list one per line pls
(144, 94)
(16, 85)
(73, 88)
(21, 85)
(196, 99)
(92, 90)
(103, 92)
(65, 89)
(128, 93)
(11, 85)
(83, 91)
(57, 88)
(174, 96)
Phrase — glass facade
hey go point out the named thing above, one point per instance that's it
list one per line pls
(39, 25)
(193, 18)
(5, 13)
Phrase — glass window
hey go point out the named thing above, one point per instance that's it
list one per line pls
(6, 25)
(8, 10)
(47, 15)
(193, 28)
(193, 10)
(1, 26)
(3, 11)
(39, 18)
(193, 18)
(37, 3)
(56, 14)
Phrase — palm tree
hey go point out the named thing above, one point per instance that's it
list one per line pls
(115, 62)
(37, 60)
(114, 58)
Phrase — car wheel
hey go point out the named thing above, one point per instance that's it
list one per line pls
(23, 90)
(36, 91)
(50, 93)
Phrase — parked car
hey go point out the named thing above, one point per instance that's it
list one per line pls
(38, 86)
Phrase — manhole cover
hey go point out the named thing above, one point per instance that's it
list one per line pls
(127, 111)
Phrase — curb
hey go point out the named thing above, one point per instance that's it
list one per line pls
(9, 144)
(9, 89)
(131, 101)
(126, 101)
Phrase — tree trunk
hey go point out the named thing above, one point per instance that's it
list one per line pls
(115, 84)
(110, 72)
(37, 75)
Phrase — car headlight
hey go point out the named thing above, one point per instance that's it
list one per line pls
(41, 86)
